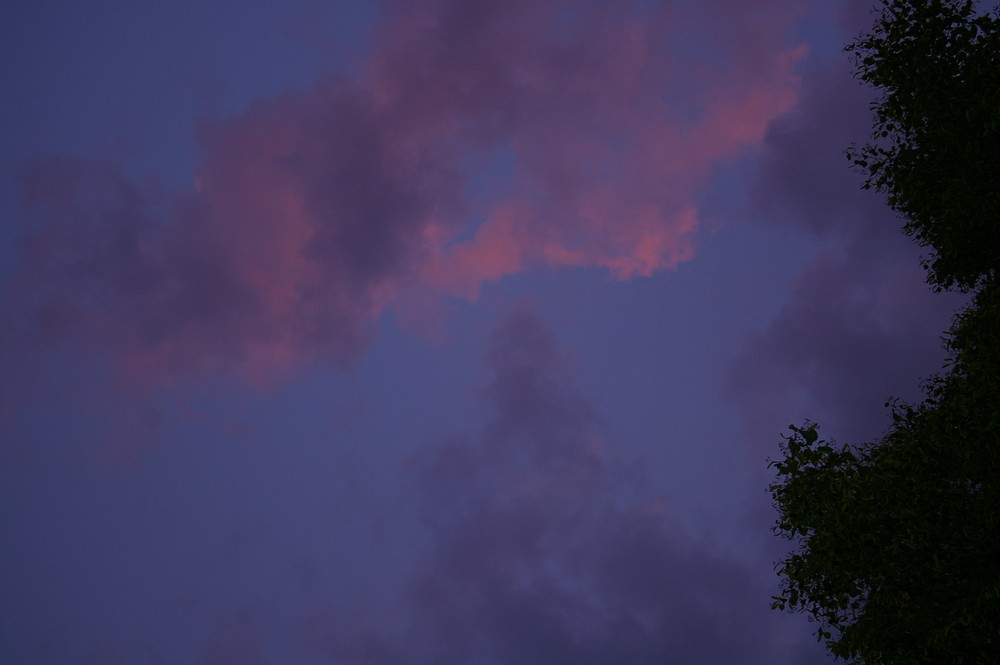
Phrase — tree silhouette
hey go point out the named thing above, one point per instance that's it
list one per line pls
(897, 542)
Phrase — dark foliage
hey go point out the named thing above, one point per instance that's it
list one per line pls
(898, 541)
(936, 149)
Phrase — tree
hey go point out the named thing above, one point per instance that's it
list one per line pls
(898, 541)
(936, 149)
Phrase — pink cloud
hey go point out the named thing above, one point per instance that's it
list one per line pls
(314, 210)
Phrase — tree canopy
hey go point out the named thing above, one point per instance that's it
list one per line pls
(936, 138)
(897, 541)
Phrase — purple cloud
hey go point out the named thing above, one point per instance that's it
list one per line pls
(239, 640)
(853, 334)
(861, 325)
(314, 210)
(541, 552)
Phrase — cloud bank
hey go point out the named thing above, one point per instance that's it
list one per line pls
(479, 140)
(543, 548)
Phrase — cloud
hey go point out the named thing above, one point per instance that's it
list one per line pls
(238, 640)
(853, 334)
(804, 178)
(543, 551)
(478, 140)
(860, 325)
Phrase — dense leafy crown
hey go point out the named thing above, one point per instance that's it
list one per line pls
(936, 149)
(898, 541)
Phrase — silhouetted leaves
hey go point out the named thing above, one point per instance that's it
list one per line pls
(936, 135)
(897, 541)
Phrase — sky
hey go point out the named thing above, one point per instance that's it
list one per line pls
(429, 331)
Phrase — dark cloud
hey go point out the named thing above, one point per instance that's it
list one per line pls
(805, 179)
(239, 640)
(860, 325)
(541, 554)
(853, 334)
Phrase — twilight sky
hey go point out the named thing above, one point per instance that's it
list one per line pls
(428, 331)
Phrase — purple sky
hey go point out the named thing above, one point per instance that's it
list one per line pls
(428, 331)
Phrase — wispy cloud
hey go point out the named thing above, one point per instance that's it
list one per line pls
(595, 126)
